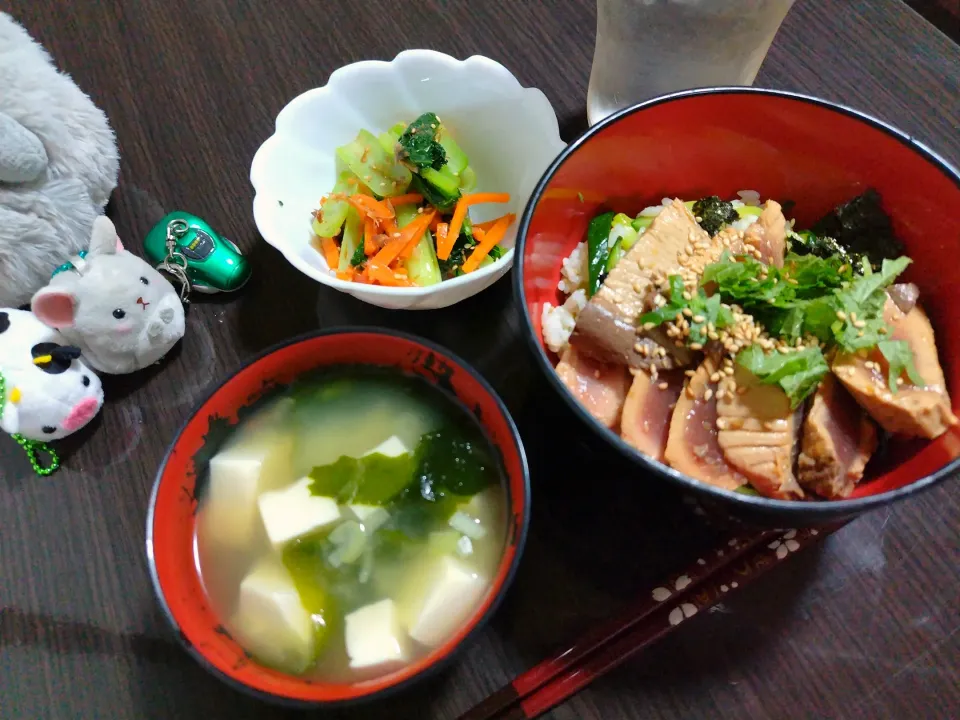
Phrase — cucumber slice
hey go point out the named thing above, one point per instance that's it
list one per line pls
(334, 212)
(456, 158)
(447, 184)
(422, 266)
(468, 179)
(352, 236)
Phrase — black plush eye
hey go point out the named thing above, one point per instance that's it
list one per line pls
(144, 281)
(119, 314)
(86, 381)
(49, 430)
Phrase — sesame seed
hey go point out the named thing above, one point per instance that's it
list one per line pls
(708, 394)
(899, 381)
(699, 318)
(639, 347)
(690, 373)
(649, 326)
(715, 377)
(729, 370)
(860, 333)
(841, 315)
(687, 295)
(721, 422)
(696, 346)
(688, 312)
(859, 324)
(853, 317)
(663, 385)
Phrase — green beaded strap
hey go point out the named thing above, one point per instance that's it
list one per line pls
(33, 448)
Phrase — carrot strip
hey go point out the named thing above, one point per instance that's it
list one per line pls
(479, 233)
(460, 214)
(413, 232)
(330, 252)
(347, 274)
(406, 199)
(490, 223)
(369, 230)
(409, 235)
(442, 231)
(389, 226)
(385, 276)
(370, 207)
(494, 235)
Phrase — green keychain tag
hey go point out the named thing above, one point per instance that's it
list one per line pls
(185, 246)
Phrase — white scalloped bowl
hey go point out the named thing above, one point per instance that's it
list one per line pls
(509, 132)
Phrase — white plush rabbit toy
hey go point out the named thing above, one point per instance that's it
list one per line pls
(120, 312)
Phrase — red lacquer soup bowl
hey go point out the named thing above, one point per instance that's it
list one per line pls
(171, 523)
(786, 147)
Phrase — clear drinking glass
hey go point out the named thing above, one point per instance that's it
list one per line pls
(647, 48)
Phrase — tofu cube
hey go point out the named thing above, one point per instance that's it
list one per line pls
(374, 636)
(438, 597)
(391, 447)
(293, 511)
(270, 621)
(237, 477)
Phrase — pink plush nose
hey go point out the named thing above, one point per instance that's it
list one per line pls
(80, 415)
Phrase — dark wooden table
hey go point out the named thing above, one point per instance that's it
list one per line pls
(864, 626)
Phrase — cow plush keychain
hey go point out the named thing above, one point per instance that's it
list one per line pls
(46, 391)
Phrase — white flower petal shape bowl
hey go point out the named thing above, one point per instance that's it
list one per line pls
(509, 132)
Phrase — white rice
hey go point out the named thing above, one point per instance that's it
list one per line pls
(574, 272)
(743, 223)
(558, 322)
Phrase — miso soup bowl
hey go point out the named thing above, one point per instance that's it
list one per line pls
(788, 147)
(171, 522)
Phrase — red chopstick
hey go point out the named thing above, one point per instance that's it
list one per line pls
(730, 566)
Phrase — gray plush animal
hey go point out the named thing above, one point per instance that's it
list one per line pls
(58, 165)
(120, 312)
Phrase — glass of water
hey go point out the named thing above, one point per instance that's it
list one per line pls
(647, 48)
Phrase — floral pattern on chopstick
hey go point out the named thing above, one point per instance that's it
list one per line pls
(723, 581)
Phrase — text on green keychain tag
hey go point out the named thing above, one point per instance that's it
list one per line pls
(213, 263)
